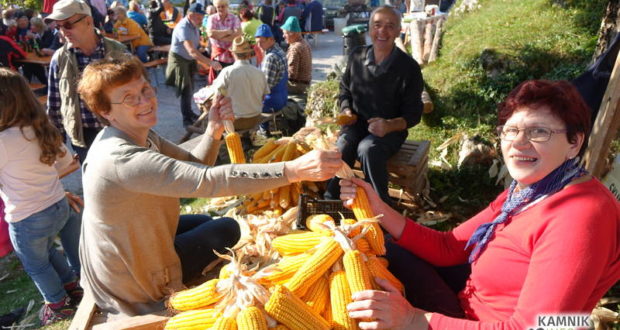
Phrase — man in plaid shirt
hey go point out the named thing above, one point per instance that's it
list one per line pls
(83, 45)
(275, 67)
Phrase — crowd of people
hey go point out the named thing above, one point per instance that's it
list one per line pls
(492, 271)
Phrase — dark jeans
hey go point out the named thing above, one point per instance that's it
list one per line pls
(431, 288)
(89, 136)
(197, 236)
(189, 116)
(36, 70)
(355, 142)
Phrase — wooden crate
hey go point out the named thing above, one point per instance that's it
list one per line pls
(407, 168)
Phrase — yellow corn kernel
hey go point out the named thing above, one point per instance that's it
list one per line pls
(293, 244)
(286, 268)
(326, 254)
(281, 327)
(340, 297)
(313, 222)
(263, 151)
(224, 272)
(383, 261)
(199, 319)
(290, 152)
(285, 196)
(378, 270)
(235, 149)
(289, 310)
(363, 246)
(354, 232)
(225, 323)
(317, 296)
(251, 318)
(279, 150)
(358, 275)
(197, 297)
(362, 210)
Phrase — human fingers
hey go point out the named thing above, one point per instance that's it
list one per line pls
(377, 324)
(387, 286)
(373, 119)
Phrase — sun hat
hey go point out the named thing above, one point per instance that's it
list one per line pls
(241, 46)
(291, 25)
(263, 31)
(64, 9)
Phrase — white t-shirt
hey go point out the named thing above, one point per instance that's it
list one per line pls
(246, 85)
(27, 186)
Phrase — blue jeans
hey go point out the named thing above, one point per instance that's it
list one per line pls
(33, 240)
(142, 52)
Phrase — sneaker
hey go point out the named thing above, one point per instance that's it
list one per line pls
(52, 313)
(75, 292)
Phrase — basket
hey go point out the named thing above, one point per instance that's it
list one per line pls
(309, 206)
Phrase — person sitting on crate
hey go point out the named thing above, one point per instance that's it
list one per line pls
(245, 84)
(274, 67)
(547, 248)
(380, 95)
(298, 56)
(136, 248)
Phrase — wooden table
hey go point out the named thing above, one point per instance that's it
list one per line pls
(124, 38)
(35, 59)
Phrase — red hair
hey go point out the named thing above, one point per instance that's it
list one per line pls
(560, 97)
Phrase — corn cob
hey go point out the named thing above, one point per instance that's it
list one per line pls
(383, 261)
(235, 149)
(358, 275)
(285, 196)
(340, 297)
(317, 296)
(287, 267)
(313, 222)
(199, 319)
(289, 310)
(225, 323)
(224, 272)
(281, 327)
(263, 151)
(290, 151)
(251, 318)
(272, 155)
(328, 252)
(292, 244)
(197, 297)
(363, 246)
(362, 210)
(378, 270)
(353, 232)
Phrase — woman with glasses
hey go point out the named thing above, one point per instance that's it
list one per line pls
(547, 246)
(136, 248)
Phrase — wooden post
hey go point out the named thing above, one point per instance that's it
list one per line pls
(605, 125)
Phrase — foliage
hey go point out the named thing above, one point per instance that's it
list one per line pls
(32, 4)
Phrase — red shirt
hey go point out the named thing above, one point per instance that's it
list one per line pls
(559, 256)
(48, 5)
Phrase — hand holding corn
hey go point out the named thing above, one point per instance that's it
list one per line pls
(220, 110)
(316, 165)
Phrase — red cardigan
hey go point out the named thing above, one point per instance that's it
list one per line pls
(559, 256)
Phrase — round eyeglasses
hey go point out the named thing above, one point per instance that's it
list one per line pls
(534, 134)
(134, 100)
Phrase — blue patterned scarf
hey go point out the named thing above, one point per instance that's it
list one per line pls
(516, 201)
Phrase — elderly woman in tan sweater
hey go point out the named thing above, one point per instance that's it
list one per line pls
(136, 248)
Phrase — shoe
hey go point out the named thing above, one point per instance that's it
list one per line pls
(52, 313)
(75, 292)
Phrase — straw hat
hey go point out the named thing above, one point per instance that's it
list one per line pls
(241, 46)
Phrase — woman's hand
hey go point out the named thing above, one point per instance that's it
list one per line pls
(316, 165)
(75, 201)
(347, 194)
(216, 65)
(220, 110)
(388, 309)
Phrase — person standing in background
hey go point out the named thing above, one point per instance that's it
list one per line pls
(222, 29)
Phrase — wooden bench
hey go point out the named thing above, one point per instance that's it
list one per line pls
(407, 168)
(315, 35)
(154, 65)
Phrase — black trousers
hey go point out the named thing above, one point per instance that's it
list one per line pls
(196, 238)
(89, 136)
(355, 142)
(433, 289)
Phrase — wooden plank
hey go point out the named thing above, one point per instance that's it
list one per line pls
(605, 126)
(84, 314)
(143, 322)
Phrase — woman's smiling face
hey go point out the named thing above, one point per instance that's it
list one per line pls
(527, 161)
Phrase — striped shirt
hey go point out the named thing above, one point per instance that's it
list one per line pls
(53, 92)
(274, 65)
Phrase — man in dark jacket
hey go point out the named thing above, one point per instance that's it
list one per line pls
(158, 31)
(382, 87)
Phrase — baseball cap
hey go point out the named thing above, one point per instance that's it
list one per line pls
(263, 31)
(291, 24)
(196, 8)
(64, 9)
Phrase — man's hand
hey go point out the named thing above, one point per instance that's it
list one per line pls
(378, 126)
(216, 65)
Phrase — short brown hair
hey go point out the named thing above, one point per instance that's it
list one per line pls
(101, 76)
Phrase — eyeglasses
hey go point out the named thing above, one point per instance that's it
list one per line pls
(70, 25)
(134, 100)
(534, 134)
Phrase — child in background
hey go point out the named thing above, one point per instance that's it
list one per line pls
(32, 157)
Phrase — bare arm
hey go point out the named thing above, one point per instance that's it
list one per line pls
(195, 54)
